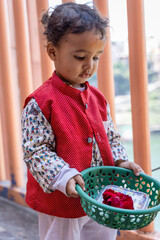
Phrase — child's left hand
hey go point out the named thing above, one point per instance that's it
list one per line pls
(130, 165)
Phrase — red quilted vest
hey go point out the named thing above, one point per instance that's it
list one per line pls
(75, 117)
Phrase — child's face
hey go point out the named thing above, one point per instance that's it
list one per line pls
(76, 58)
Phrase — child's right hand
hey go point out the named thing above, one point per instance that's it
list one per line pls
(70, 188)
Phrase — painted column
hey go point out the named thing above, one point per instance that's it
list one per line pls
(11, 100)
(4, 158)
(139, 87)
(23, 49)
(139, 84)
(47, 66)
(105, 68)
(65, 1)
(34, 43)
(2, 161)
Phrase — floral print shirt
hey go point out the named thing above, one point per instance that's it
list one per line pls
(38, 142)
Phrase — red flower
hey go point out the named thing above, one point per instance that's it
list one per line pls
(117, 199)
(114, 201)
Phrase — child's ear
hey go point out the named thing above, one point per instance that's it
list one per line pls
(51, 50)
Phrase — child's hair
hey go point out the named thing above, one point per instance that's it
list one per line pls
(72, 18)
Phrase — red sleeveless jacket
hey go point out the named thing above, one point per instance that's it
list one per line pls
(75, 117)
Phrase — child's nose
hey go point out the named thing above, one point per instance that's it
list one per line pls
(88, 65)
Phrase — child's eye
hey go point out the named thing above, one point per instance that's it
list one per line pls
(96, 58)
(79, 58)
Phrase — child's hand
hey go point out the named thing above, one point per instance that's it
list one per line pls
(70, 188)
(130, 165)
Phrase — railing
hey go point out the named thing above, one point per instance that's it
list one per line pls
(24, 63)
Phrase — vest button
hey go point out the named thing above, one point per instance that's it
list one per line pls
(86, 105)
(89, 140)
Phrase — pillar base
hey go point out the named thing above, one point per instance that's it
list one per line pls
(132, 235)
(14, 194)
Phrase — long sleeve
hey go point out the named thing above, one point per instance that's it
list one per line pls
(38, 142)
(118, 150)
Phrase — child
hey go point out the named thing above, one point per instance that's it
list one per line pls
(67, 127)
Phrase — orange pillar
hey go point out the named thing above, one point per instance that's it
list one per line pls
(2, 159)
(65, 1)
(139, 86)
(11, 100)
(23, 49)
(105, 68)
(34, 43)
(47, 66)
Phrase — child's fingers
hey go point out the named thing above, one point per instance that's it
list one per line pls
(131, 165)
(80, 181)
(70, 188)
(137, 169)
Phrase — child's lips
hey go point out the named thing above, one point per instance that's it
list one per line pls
(85, 75)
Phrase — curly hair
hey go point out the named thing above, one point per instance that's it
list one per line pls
(72, 18)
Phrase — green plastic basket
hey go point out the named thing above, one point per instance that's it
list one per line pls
(96, 178)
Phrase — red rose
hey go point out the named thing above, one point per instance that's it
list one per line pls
(117, 199)
(114, 201)
(109, 193)
(127, 205)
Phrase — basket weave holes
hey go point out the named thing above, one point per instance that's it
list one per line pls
(137, 179)
(87, 182)
(123, 219)
(93, 209)
(146, 217)
(136, 185)
(106, 214)
(91, 175)
(91, 180)
(101, 213)
(102, 173)
(102, 179)
(97, 180)
(152, 203)
(143, 182)
(141, 187)
(132, 220)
